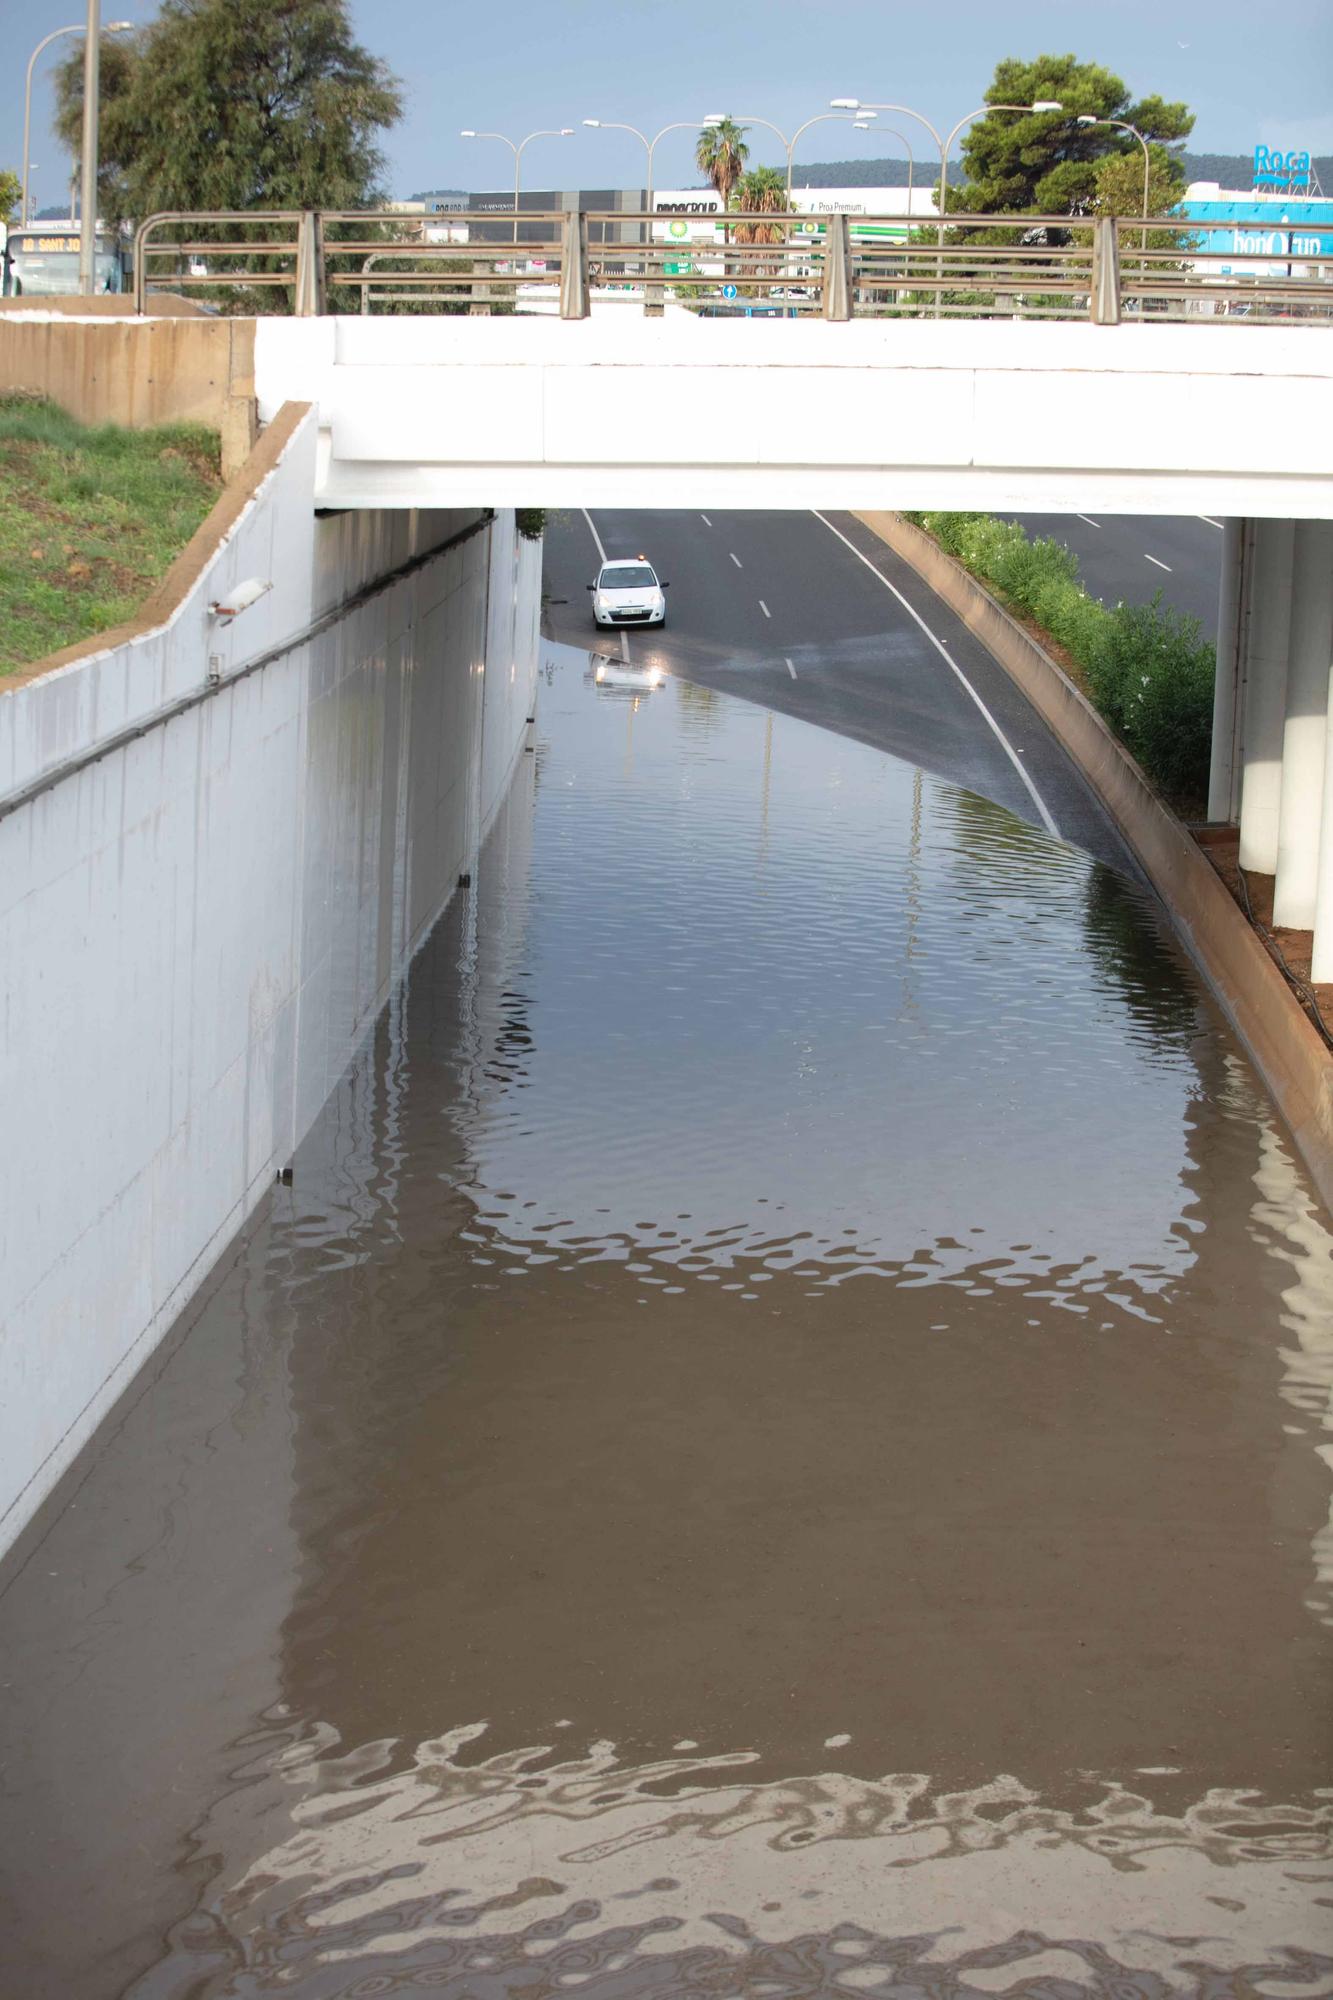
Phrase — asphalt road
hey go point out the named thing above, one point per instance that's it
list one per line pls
(1127, 557)
(814, 617)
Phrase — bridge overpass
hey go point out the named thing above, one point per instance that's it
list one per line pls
(628, 411)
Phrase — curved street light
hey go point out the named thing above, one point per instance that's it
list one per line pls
(652, 294)
(650, 145)
(516, 148)
(78, 28)
(1087, 118)
(1041, 104)
(855, 104)
(857, 120)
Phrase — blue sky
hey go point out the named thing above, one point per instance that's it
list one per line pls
(1248, 75)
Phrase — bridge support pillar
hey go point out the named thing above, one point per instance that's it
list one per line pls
(1321, 961)
(1305, 732)
(1264, 638)
(1228, 687)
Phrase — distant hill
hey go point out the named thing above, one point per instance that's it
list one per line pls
(1229, 169)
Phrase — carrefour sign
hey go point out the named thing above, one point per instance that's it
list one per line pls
(1274, 168)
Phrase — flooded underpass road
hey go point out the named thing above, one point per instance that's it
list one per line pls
(776, 1446)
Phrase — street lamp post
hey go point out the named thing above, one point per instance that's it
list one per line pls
(562, 132)
(652, 295)
(1086, 118)
(111, 28)
(1042, 104)
(859, 120)
(650, 145)
(855, 104)
(92, 86)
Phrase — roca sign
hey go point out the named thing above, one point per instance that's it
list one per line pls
(1274, 168)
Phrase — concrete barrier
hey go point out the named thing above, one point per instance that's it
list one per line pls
(112, 369)
(1287, 1050)
(221, 843)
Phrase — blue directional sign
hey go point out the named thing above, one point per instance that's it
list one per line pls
(728, 291)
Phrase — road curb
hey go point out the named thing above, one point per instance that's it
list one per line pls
(1285, 1047)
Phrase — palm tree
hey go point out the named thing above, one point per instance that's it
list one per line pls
(721, 153)
(761, 191)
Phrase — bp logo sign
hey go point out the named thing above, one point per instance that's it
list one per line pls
(678, 229)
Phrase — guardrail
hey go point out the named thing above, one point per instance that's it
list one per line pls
(972, 266)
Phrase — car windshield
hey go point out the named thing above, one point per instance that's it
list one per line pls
(627, 576)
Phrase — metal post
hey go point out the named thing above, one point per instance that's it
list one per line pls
(92, 59)
(574, 265)
(1104, 300)
(309, 300)
(837, 269)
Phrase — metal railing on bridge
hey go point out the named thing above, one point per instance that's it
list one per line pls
(1109, 270)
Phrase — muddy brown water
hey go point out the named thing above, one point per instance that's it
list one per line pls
(778, 1445)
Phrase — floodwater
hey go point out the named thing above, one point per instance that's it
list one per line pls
(778, 1445)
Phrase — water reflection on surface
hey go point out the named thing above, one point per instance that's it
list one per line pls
(775, 1447)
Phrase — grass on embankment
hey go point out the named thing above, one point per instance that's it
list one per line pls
(90, 520)
(1146, 667)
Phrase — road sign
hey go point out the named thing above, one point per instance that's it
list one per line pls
(728, 291)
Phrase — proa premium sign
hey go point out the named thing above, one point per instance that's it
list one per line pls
(1274, 168)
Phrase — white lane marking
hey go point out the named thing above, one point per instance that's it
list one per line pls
(704, 518)
(593, 532)
(1209, 519)
(764, 608)
(1160, 565)
(736, 559)
(790, 668)
(1091, 524)
(624, 645)
(943, 651)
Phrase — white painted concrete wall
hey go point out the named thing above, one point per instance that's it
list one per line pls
(630, 412)
(197, 930)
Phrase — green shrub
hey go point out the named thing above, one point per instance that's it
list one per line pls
(1148, 668)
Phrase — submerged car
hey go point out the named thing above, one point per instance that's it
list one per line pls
(628, 593)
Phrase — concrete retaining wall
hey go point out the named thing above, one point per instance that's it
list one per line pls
(137, 372)
(1287, 1050)
(205, 899)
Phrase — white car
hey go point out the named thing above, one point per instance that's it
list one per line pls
(628, 593)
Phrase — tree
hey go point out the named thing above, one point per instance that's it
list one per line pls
(761, 191)
(236, 104)
(11, 188)
(1119, 185)
(1046, 163)
(721, 154)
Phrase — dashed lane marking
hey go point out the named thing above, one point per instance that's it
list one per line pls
(954, 668)
(790, 668)
(704, 518)
(1209, 519)
(736, 559)
(1091, 523)
(764, 608)
(1160, 565)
